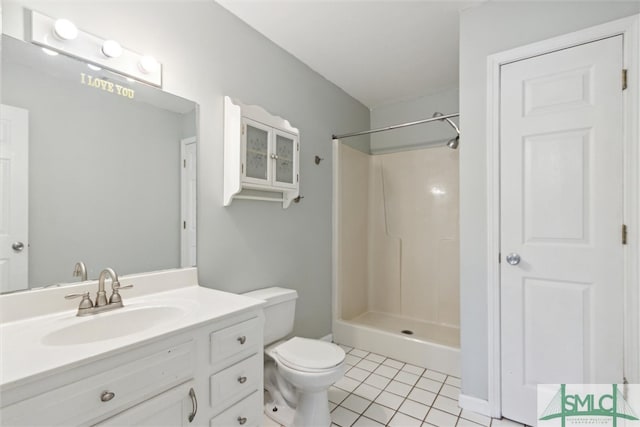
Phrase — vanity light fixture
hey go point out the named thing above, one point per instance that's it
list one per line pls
(62, 36)
(148, 64)
(64, 29)
(111, 49)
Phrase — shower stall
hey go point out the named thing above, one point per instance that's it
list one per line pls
(396, 253)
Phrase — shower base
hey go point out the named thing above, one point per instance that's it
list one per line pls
(431, 346)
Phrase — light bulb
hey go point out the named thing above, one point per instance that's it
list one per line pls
(111, 49)
(148, 64)
(49, 52)
(65, 29)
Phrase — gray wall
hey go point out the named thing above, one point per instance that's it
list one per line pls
(487, 29)
(417, 136)
(93, 194)
(208, 53)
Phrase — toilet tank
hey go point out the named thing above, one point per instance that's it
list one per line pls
(279, 312)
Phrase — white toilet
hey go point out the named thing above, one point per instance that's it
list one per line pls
(298, 371)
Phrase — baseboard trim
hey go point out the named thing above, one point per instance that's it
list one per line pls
(474, 404)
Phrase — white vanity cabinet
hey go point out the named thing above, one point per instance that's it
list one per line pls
(194, 377)
(173, 408)
(261, 155)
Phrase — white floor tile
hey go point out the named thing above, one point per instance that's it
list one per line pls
(448, 405)
(367, 391)
(450, 391)
(429, 385)
(332, 406)
(337, 395)
(406, 377)
(402, 420)
(386, 371)
(358, 353)
(466, 423)
(343, 417)
(377, 381)
(393, 363)
(414, 409)
(413, 369)
(356, 403)
(357, 374)
(475, 417)
(347, 383)
(375, 358)
(398, 388)
(351, 360)
(434, 375)
(367, 422)
(379, 413)
(422, 396)
(367, 365)
(440, 418)
(389, 400)
(346, 348)
(454, 381)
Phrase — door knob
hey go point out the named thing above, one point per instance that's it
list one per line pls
(513, 258)
(17, 246)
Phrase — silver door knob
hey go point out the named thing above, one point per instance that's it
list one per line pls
(513, 258)
(17, 246)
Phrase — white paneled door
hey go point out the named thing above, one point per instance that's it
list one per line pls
(14, 199)
(561, 155)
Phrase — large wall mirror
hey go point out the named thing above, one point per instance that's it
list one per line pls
(93, 168)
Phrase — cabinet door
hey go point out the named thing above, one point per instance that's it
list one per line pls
(256, 162)
(172, 408)
(286, 160)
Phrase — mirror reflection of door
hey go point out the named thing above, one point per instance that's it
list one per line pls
(188, 202)
(14, 202)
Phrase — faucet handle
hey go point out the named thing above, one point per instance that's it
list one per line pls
(115, 296)
(86, 300)
(116, 286)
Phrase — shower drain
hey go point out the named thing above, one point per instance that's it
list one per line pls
(407, 332)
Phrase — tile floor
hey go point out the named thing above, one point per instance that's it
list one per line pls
(379, 391)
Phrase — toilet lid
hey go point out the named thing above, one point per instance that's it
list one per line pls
(309, 354)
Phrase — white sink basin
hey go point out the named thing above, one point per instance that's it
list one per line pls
(114, 324)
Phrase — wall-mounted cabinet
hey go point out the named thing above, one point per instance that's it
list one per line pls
(261, 155)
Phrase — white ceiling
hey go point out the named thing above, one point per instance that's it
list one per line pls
(379, 52)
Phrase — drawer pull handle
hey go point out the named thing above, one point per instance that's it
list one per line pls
(107, 396)
(242, 380)
(242, 339)
(242, 420)
(194, 404)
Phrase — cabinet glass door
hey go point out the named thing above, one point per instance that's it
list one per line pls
(257, 152)
(285, 159)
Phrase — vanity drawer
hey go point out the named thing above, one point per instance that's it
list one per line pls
(235, 339)
(106, 393)
(246, 413)
(236, 381)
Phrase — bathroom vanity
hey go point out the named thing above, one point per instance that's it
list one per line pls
(176, 354)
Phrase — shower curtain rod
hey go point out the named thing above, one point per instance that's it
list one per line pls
(402, 125)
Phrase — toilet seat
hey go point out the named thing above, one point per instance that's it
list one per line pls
(308, 355)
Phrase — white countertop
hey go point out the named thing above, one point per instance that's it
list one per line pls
(25, 354)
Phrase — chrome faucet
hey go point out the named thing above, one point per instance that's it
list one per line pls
(80, 270)
(87, 306)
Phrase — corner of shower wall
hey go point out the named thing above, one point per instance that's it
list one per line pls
(353, 241)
